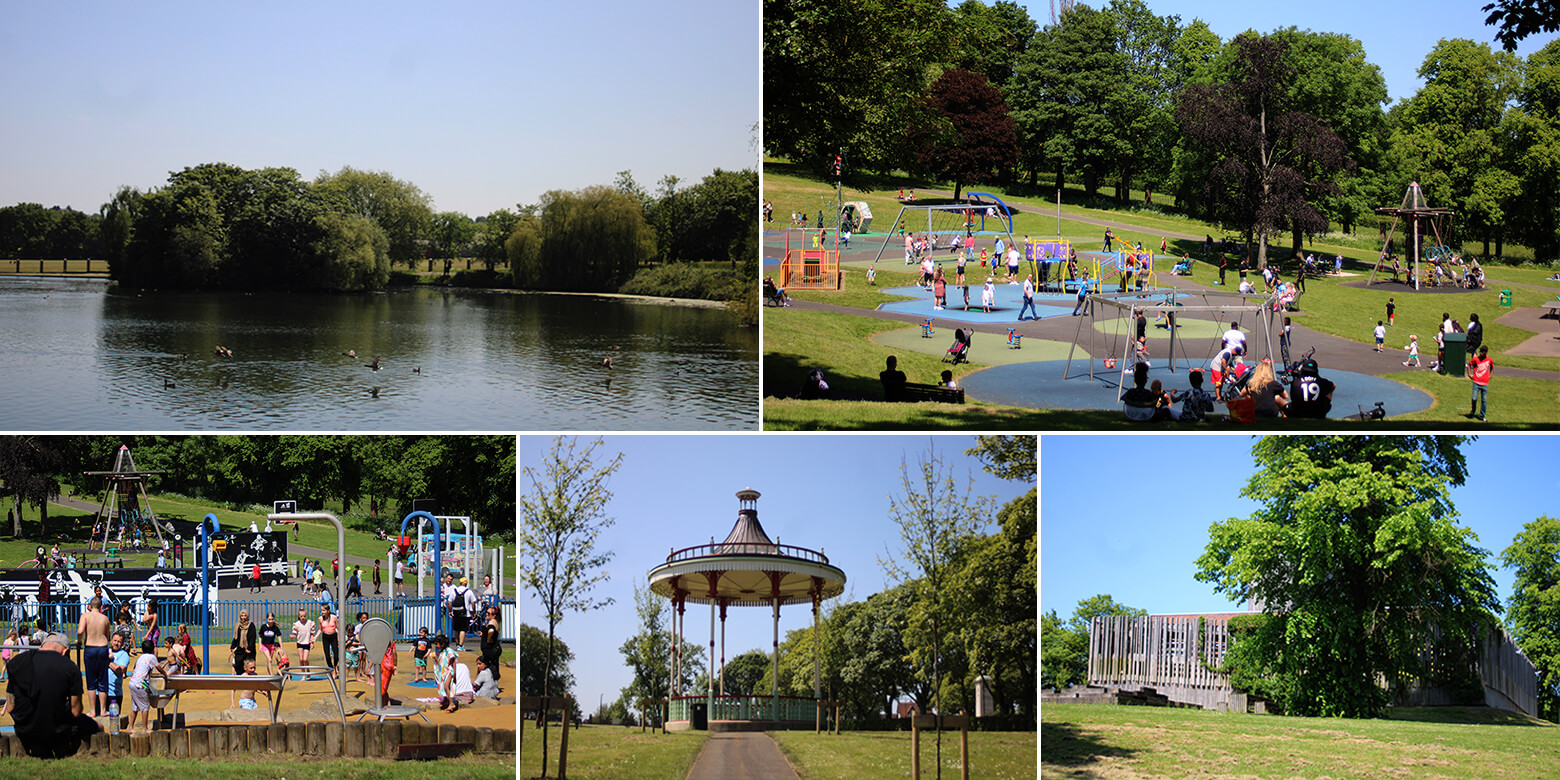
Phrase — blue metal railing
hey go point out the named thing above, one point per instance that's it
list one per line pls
(405, 615)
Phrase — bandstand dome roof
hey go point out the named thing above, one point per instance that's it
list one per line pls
(747, 569)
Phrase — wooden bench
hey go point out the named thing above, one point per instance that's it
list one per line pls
(179, 683)
(427, 750)
(919, 392)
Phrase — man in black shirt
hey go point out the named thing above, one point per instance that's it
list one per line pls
(893, 381)
(44, 700)
(1310, 395)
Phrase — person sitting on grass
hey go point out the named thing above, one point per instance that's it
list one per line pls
(486, 686)
(893, 380)
(1139, 403)
(1265, 389)
(814, 386)
(1196, 403)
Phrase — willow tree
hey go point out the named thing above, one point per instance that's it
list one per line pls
(1354, 553)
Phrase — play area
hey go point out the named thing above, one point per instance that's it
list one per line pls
(1060, 322)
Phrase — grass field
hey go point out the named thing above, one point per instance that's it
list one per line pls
(469, 767)
(870, 755)
(1106, 741)
(612, 752)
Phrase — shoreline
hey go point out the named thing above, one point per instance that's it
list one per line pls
(695, 303)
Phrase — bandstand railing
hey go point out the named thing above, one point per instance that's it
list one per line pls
(746, 548)
(734, 707)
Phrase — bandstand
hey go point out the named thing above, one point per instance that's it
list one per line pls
(745, 570)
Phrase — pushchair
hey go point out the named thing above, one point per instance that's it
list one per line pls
(960, 351)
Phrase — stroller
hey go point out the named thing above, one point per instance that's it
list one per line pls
(960, 351)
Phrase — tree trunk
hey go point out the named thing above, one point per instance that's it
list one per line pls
(547, 691)
(1299, 247)
(957, 187)
(1124, 190)
(1091, 183)
(1061, 176)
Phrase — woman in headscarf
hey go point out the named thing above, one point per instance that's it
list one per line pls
(242, 649)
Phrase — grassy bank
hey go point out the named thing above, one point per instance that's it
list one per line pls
(1112, 741)
(611, 752)
(869, 755)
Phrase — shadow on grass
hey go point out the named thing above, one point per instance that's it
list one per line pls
(1066, 746)
(1463, 715)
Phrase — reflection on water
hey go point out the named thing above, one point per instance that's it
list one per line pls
(78, 355)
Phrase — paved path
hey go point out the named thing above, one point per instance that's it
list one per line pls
(741, 756)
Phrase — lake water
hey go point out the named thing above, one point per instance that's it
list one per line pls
(76, 354)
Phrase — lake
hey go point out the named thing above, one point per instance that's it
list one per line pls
(80, 355)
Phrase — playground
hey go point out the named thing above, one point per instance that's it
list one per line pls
(1054, 370)
(163, 575)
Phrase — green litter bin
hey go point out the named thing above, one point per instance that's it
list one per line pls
(1505, 298)
(1456, 352)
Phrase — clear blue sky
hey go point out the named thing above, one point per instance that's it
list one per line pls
(1129, 515)
(481, 104)
(820, 492)
(1397, 34)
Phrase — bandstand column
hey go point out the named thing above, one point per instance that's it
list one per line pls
(709, 696)
(723, 647)
(682, 634)
(774, 702)
(816, 686)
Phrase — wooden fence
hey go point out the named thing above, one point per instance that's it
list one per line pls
(1162, 652)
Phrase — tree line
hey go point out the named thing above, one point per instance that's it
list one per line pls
(373, 478)
(1284, 134)
(217, 225)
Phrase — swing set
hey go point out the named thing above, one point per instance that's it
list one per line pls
(954, 218)
(1219, 303)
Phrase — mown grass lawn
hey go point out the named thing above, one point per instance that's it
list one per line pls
(871, 755)
(468, 767)
(612, 752)
(1107, 741)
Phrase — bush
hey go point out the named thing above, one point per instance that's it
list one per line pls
(686, 280)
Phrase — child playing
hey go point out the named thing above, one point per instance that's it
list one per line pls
(1391, 308)
(1381, 335)
(5, 654)
(1413, 352)
(355, 655)
(246, 698)
(1142, 350)
(141, 686)
(420, 647)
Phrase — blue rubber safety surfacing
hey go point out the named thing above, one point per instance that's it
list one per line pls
(1008, 300)
(1040, 385)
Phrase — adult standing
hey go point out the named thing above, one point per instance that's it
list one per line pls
(1479, 369)
(376, 576)
(491, 648)
(460, 612)
(329, 627)
(1012, 264)
(44, 700)
(241, 651)
(92, 631)
(1234, 337)
(1475, 333)
(1029, 299)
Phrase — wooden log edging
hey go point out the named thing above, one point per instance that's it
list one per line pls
(208, 742)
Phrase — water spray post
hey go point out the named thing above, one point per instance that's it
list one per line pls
(209, 526)
(341, 575)
(438, 561)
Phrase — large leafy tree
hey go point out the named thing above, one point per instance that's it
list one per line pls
(1450, 137)
(1067, 94)
(1517, 19)
(1148, 130)
(968, 136)
(1533, 612)
(592, 239)
(648, 652)
(402, 210)
(848, 75)
(1270, 159)
(1064, 644)
(538, 656)
(28, 465)
(1354, 550)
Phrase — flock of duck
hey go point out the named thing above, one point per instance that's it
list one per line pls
(226, 352)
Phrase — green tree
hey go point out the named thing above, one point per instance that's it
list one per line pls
(1146, 96)
(562, 515)
(1517, 19)
(118, 219)
(935, 515)
(1067, 92)
(539, 655)
(1064, 645)
(403, 211)
(1353, 550)
(1534, 609)
(848, 76)
(648, 652)
(492, 232)
(350, 254)
(452, 234)
(742, 674)
(27, 475)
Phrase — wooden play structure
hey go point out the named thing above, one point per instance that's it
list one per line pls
(125, 505)
(810, 263)
(1178, 656)
(1416, 215)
